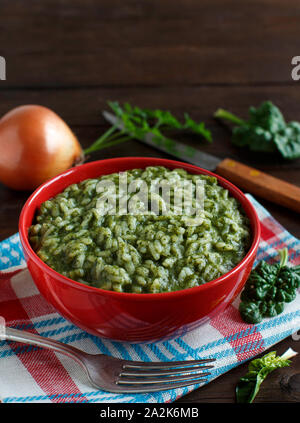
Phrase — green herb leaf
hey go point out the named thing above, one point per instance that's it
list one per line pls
(268, 288)
(288, 141)
(258, 370)
(265, 131)
(137, 123)
(197, 128)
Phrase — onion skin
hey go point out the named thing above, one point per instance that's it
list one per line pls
(35, 145)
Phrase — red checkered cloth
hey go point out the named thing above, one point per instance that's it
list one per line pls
(31, 374)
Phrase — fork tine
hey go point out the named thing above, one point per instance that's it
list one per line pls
(166, 379)
(154, 388)
(165, 365)
(162, 372)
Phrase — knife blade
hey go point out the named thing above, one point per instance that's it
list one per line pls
(245, 177)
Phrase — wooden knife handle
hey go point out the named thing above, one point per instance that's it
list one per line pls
(260, 184)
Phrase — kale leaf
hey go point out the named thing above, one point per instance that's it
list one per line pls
(265, 131)
(258, 370)
(268, 288)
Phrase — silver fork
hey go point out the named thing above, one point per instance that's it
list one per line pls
(122, 376)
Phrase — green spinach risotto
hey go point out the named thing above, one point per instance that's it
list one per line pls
(160, 249)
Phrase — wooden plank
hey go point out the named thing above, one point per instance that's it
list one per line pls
(72, 34)
(84, 106)
(135, 9)
(153, 66)
(141, 44)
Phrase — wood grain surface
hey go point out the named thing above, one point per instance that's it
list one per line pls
(181, 55)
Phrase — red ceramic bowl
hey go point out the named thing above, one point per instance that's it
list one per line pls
(133, 317)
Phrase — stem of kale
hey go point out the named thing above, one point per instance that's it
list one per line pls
(223, 114)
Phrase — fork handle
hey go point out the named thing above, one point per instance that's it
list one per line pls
(16, 335)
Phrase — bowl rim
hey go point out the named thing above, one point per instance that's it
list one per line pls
(239, 195)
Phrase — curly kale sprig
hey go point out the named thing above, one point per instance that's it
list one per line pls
(265, 131)
(137, 123)
(268, 288)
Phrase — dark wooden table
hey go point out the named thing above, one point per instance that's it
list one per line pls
(181, 55)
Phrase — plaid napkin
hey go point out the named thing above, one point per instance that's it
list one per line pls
(29, 374)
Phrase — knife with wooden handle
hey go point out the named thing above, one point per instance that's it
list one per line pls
(245, 177)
